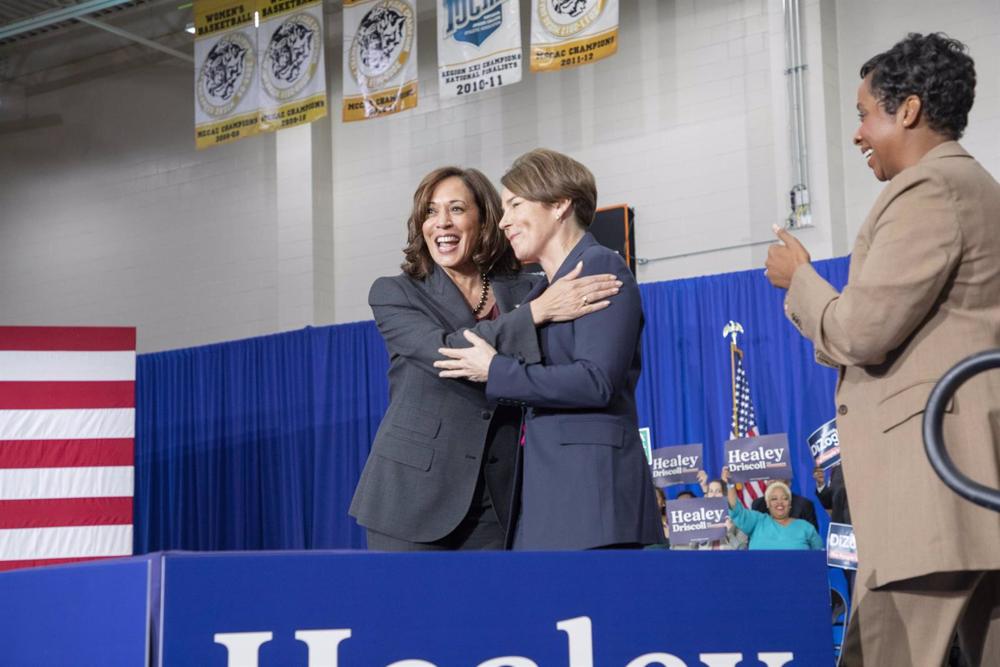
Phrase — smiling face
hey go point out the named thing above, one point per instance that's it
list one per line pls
(778, 504)
(880, 134)
(530, 226)
(451, 228)
(714, 490)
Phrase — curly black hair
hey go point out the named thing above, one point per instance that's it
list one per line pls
(935, 68)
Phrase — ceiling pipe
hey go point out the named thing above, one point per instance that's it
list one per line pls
(55, 16)
(135, 38)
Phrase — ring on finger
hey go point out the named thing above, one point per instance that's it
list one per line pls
(586, 300)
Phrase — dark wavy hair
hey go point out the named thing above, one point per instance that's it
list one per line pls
(935, 68)
(492, 254)
(545, 176)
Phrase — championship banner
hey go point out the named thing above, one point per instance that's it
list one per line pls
(697, 520)
(824, 445)
(380, 58)
(292, 70)
(676, 465)
(841, 547)
(567, 33)
(760, 457)
(479, 45)
(226, 89)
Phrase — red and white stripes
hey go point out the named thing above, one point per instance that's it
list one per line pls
(67, 428)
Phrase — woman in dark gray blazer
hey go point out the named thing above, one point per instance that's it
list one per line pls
(586, 483)
(440, 471)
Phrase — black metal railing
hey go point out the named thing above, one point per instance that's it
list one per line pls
(934, 429)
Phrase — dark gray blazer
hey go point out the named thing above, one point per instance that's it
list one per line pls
(585, 481)
(421, 474)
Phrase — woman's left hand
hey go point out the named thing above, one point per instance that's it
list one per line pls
(471, 363)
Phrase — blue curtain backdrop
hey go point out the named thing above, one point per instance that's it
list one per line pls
(258, 443)
(685, 393)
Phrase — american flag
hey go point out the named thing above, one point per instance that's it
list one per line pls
(67, 429)
(744, 423)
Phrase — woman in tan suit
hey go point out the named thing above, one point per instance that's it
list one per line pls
(923, 292)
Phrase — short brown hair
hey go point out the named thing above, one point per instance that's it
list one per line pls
(545, 176)
(492, 254)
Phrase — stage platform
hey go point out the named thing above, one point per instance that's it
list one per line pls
(359, 609)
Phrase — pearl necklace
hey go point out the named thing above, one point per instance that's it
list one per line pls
(482, 297)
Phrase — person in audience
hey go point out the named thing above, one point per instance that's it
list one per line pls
(921, 295)
(685, 494)
(832, 494)
(735, 539)
(441, 467)
(801, 508)
(585, 483)
(777, 529)
(661, 502)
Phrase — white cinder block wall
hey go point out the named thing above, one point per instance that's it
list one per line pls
(111, 217)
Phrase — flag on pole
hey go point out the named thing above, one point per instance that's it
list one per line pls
(744, 419)
(67, 433)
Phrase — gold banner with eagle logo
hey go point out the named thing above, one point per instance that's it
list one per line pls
(380, 58)
(292, 70)
(568, 33)
(257, 79)
(226, 87)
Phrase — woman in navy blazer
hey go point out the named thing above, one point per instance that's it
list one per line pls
(441, 467)
(585, 481)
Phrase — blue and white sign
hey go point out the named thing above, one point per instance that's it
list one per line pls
(479, 45)
(697, 520)
(495, 609)
(824, 445)
(678, 464)
(760, 457)
(841, 546)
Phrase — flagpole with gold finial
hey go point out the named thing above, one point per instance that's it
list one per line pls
(731, 330)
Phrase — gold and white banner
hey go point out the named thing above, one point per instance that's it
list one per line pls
(479, 45)
(380, 58)
(225, 66)
(567, 33)
(292, 71)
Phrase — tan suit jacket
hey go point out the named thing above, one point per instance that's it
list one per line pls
(923, 292)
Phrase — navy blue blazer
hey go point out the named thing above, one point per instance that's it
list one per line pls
(585, 480)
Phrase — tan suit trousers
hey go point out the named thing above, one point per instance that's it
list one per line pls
(912, 622)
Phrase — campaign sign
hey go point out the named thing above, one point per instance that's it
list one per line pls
(841, 547)
(697, 519)
(647, 443)
(545, 609)
(760, 457)
(824, 444)
(676, 465)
